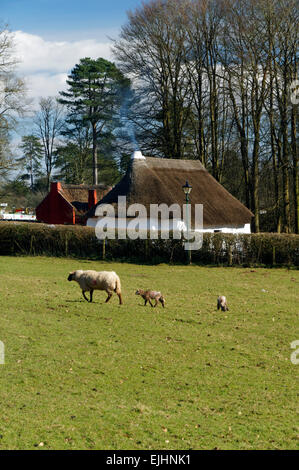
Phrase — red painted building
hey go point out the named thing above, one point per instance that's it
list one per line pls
(68, 203)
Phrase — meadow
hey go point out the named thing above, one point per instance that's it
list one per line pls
(103, 376)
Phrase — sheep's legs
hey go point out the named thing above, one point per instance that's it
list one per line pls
(110, 295)
(91, 292)
(83, 292)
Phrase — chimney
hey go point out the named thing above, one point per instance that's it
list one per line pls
(92, 198)
(56, 187)
(137, 155)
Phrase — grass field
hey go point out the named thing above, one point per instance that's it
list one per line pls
(104, 376)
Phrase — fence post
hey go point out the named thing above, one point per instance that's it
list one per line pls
(66, 245)
(104, 249)
(230, 255)
(146, 249)
(274, 256)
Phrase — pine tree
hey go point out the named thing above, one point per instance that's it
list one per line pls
(95, 92)
(32, 155)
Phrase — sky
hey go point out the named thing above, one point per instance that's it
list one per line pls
(52, 35)
(50, 38)
(66, 19)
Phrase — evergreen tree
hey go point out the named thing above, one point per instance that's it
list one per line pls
(95, 92)
(73, 159)
(73, 163)
(32, 155)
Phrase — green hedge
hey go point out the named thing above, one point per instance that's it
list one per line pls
(218, 248)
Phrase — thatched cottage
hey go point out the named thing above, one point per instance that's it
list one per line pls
(159, 180)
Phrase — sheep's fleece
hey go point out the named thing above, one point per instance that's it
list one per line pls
(92, 280)
(97, 280)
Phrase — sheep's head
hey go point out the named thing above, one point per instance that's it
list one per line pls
(138, 292)
(221, 303)
(71, 276)
(224, 307)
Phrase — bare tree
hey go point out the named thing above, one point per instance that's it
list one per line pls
(152, 50)
(282, 26)
(213, 79)
(49, 124)
(247, 68)
(285, 66)
(13, 102)
(212, 115)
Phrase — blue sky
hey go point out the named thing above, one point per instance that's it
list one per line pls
(66, 19)
(52, 35)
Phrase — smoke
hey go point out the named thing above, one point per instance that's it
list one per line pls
(126, 120)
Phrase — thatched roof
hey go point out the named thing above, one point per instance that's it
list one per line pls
(77, 195)
(159, 180)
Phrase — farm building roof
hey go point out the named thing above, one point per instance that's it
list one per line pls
(78, 195)
(159, 180)
(68, 203)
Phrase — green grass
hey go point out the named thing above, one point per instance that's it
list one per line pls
(104, 376)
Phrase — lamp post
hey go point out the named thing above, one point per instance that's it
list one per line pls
(187, 190)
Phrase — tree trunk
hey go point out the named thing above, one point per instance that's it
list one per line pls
(255, 185)
(94, 154)
(31, 174)
(274, 155)
(295, 169)
(285, 177)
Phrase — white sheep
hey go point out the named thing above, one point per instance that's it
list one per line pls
(94, 280)
(221, 303)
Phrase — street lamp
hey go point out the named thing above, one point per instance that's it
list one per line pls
(187, 190)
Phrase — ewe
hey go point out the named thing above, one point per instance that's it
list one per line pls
(94, 280)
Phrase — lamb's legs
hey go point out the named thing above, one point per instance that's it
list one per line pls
(109, 297)
(91, 292)
(83, 292)
(156, 303)
(120, 299)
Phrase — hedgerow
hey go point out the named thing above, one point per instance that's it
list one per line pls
(81, 242)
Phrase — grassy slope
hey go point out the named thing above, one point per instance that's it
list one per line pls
(97, 376)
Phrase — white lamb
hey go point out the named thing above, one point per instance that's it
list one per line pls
(94, 280)
(221, 303)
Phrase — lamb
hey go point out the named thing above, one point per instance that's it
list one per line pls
(147, 295)
(221, 303)
(94, 280)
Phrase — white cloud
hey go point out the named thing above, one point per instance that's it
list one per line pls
(45, 64)
(45, 84)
